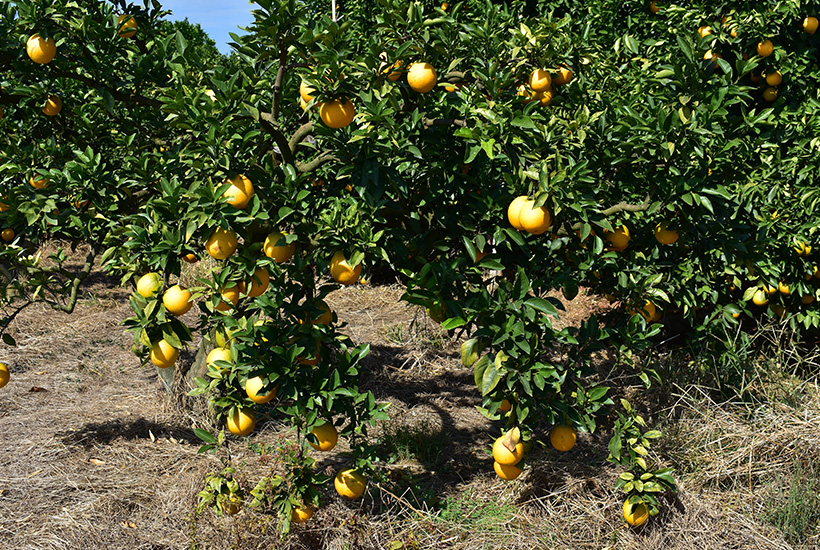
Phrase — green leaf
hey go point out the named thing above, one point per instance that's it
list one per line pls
(205, 436)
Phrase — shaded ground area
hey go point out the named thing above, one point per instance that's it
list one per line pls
(97, 455)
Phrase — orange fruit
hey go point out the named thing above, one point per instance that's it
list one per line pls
(544, 98)
(240, 192)
(350, 483)
(514, 211)
(229, 295)
(505, 405)
(41, 50)
(127, 26)
(774, 79)
(324, 318)
(765, 48)
(301, 514)
(4, 375)
(534, 220)
(539, 80)
(252, 388)
(259, 283)
(760, 298)
(507, 472)
(149, 284)
(421, 77)
(38, 183)
(177, 300)
(326, 435)
(635, 514)
(648, 311)
(190, 258)
(163, 354)
(393, 71)
(231, 505)
(53, 106)
(276, 249)
(653, 8)
(803, 249)
(563, 438)
(502, 454)
(337, 113)
(704, 30)
(221, 244)
(619, 239)
(306, 92)
(241, 421)
(316, 356)
(810, 25)
(564, 76)
(806, 299)
(770, 94)
(342, 272)
(664, 235)
(783, 288)
(218, 354)
(7, 234)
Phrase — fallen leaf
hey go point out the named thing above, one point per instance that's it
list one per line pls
(151, 435)
(129, 524)
(41, 372)
(96, 461)
(37, 389)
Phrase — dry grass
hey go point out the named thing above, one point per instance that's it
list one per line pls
(101, 457)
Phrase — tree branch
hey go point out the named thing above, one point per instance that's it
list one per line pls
(68, 307)
(119, 96)
(626, 207)
(301, 133)
(324, 158)
(428, 122)
(269, 124)
(280, 75)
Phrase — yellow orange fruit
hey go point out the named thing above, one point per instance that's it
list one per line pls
(539, 80)
(774, 78)
(149, 284)
(648, 311)
(505, 405)
(4, 375)
(350, 483)
(190, 258)
(218, 354)
(653, 7)
(221, 244)
(240, 192)
(8, 234)
(760, 298)
(810, 25)
(38, 183)
(127, 26)
(337, 113)
(664, 235)
(342, 272)
(230, 297)
(259, 283)
(704, 30)
(241, 421)
(253, 386)
(765, 48)
(301, 514)
(507, 472)
(421, 77)
(393, 71)
(783, 288)
(803, 249)
(619, 239)
(41, 50)
(770, 94)
(276, 248)
(564, 76)
(514, 211)
(563, 438)
(306, 92)
(326, 435)
(806, 299)
(502, 454)
(534, 220)
(163, 354)
(177, 300)
(53, 106)
(636, 514)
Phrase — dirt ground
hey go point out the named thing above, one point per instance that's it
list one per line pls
(95, 454)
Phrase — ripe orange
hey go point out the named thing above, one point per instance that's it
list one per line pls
(648, 311)
(163, 354)
(514, 211)
(221, 244)
(327, 436)
(544, 98)
(324, 318)
(259, 283)
(230, 295)
(393, 71)
(534, 220)
(177, 300)
(539, 80)
(350, 483)
(619, 239)
(231, 505)
(303, 359)
(810, 25)
(635, 514)
(770, 289)
(39, 50)
(218, 354)
(149, 284)
(336, 113)
(306, 92)
(507, 472)
(421, 77)
(803, 249)
(774, 79)
(127, 26)
(7, 234)
(704, 30)
(770, 94)
(53, 106)
(252, 388)
(765, 48)
(276, 249)
(505, 405)
(564, 76)
(38, 183)
(4, 375)
(241, 421)
(653, 8)
(760, 298)
(502, 454)
(342, 272)
(240, 192)
(301, 514)
(664, 235)
(563, 438)
(190, 258)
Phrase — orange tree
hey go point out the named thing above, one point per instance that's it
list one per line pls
(658, 153)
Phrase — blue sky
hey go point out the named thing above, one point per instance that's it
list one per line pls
(216, 17)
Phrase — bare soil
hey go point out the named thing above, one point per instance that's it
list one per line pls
(96, 454)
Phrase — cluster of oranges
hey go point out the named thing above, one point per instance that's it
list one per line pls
(509, 448)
